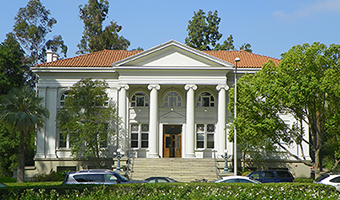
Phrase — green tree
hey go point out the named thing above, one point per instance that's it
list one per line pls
(203, 33)
(95, 38)
(21, 110)
(306, 85)
(32, 24)
(12, 69)
(88, 118)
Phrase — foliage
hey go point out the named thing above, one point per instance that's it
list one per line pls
(95, 38)
(32, 24)
(7, 180)
(203, 33)
(306, 86)
(23, 111)
(12, 69)
(14, 73)
(52, 176)
(88, 118)
(174, 191)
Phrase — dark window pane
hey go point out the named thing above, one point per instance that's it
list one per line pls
(134, 144)
(145, 144)
(200, 144)
(80, 178)
(205, 101)
(134, 136)
(145, 136)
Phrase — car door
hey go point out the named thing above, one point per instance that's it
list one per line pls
(268, 177)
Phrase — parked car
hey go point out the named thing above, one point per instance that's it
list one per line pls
(271, 176)
(160, 180)
(235, 179)
(329, 179)
(2, 185)
(96, 176)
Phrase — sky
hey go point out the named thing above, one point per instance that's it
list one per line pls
(272, 27)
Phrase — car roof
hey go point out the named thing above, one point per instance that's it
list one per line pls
(93, 171)
(231, 177)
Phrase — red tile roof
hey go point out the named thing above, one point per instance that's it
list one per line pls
(105, 58)
(247, 60)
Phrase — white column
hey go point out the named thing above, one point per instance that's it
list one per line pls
(190, 121)
(51, 132)
(220, 135)
(153, 122)
(122, 113)
(40, 142)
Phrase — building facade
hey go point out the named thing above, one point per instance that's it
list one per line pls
(172, 100)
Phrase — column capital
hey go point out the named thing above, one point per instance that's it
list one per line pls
(220, 87)
(124, 86)
(190, 86)
(152, 86)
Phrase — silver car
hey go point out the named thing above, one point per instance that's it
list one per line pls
(96, 176)
(235, 179)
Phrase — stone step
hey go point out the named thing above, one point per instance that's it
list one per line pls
(181, 169)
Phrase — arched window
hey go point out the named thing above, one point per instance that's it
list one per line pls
(62, 98)
(139, 99)
(205, 99)
(172, 99)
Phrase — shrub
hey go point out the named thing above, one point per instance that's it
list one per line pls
(52, 176)
(174, 191)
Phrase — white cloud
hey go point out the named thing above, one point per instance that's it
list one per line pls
(317, 8)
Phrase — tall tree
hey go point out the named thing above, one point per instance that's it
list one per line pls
(12, 68)
(32, 24)
(305, 85)
(95, 38)
(203, 33)
(22, 110)
(88, 118)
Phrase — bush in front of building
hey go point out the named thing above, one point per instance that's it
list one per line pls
(52, 176)
(172, 191)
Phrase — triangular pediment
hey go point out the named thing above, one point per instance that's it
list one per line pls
(172, 115)
(172, 54)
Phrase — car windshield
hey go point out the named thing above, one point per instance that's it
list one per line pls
(122, 178)
(320, 178)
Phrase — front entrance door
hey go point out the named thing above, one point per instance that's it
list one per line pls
(172, 141)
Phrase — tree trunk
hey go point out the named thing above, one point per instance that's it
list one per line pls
(21, 159)
(317, 163)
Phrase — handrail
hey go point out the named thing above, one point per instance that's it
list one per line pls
(216, 165)
(129, 165)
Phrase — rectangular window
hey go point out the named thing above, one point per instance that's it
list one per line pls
(139, 135)
(205, 136)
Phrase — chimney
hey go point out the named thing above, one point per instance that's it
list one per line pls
(54, 57)
(49, 56)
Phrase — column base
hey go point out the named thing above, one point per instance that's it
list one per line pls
(153, 155)
(190, 155)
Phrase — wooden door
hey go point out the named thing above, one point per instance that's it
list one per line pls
(172, 147)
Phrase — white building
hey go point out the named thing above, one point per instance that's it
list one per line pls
(172, 99)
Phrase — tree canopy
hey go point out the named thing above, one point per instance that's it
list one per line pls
(32, 24)
(95, 38)
(88, 118)
(12, 69)
(305, 85)
(203, 33)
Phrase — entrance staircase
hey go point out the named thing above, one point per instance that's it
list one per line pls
(180, 169)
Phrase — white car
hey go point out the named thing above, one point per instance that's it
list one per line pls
(328, 179)
(235, 179)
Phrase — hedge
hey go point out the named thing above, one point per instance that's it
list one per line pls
(173, 191)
